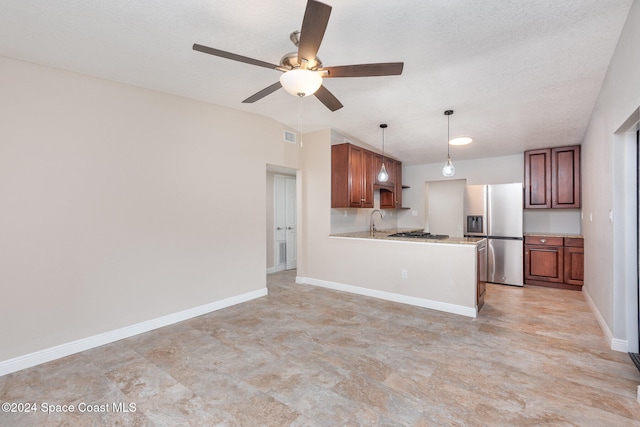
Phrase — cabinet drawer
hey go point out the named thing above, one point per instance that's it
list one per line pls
(544, 240)
(574, 242)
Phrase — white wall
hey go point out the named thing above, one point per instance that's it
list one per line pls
(493, 170)
(608, 281)
(445, 207)
(561, 221)
(121, 205)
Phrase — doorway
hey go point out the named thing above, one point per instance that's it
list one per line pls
(285, 222)
(282, 197)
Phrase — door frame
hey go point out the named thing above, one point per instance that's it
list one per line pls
(271, 248)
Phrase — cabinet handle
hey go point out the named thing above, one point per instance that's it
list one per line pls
(543, 241)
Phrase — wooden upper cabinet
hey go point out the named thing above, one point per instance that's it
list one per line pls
(352, 177)
(537, 177)
(552, 178)
(565, 177)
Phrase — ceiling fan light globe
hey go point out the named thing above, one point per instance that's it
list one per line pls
(300, 82)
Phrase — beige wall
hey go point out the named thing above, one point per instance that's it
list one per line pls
(610, 262)
(120, 205)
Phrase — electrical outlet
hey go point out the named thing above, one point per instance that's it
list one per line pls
(404, 273)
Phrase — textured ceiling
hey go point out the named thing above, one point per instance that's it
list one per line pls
(519, 74)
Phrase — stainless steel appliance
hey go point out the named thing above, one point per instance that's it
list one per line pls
(495, 212)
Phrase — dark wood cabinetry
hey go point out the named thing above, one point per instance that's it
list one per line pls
(552, 178)
(554, 261)
(481, 274)
(544, 259)
(574, 261)
(354, 176)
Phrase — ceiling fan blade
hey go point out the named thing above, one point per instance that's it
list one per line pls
(328, 99)
(233, 56)
(314, 24)
(365, 70)
(264, 92)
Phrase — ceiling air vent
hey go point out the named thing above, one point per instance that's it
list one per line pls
(289, 137)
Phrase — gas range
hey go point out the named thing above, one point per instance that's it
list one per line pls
(419, 235)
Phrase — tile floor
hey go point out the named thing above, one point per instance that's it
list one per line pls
(306, 356)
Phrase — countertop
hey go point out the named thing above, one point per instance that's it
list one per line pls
(580, 236)
(384, 235)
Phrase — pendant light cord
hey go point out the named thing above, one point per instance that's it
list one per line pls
(448, 137)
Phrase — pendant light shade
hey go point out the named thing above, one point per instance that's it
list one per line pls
(301, 82)
(448, 170)
(383, 176)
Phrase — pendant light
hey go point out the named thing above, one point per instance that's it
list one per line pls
(448, 170)
(383, 176)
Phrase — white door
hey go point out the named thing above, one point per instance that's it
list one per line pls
(285, 223)
(291, 223)
(280, 223)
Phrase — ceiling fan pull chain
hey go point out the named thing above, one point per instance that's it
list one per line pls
(300, 119)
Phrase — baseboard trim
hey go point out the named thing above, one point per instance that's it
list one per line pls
(67, 349)
(389, 296)
(614, 343)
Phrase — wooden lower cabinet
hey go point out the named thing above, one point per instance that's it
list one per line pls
(554, 261)
(574, 261)
(481, 274)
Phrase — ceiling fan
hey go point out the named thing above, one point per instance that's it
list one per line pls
(303, 70)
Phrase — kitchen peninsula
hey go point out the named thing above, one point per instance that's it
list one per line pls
(440, 274)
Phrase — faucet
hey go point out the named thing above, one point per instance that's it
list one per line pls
(372, 225)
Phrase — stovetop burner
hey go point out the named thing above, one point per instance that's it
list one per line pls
(419, 235)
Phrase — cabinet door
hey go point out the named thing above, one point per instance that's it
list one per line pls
(356, 171)
(398, 185)
(565, 177)
(574, 265)
(544, 263)
(481, 274)
(367, 178)
(537, 177)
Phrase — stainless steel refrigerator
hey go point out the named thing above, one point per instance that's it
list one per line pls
(495, 212)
